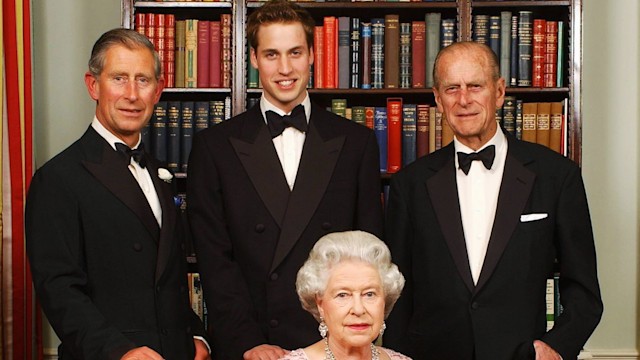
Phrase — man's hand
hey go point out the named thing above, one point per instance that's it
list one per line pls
(141, 353)
(545, 352)
(202, 351)
(265, 352)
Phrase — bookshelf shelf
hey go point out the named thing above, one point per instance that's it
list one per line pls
(182, 4)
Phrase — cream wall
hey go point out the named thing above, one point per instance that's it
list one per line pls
(610, 164)
(64, 31)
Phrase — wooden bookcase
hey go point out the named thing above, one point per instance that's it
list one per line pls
(568, 11)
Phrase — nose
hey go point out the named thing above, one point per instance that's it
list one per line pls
(285, 65)
(463, 99)
(357, 307)
(131, 91)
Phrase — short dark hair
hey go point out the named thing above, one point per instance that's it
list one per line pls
(128, 38)
(279, 11)
(491, 57)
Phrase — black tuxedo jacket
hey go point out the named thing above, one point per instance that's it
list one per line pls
(441, 313)
(252, 233)
(108, 277)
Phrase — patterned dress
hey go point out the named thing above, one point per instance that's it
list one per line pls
(299, 354)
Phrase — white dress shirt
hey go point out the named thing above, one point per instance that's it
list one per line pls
(288, 144)
(478, 195)
(141, 175)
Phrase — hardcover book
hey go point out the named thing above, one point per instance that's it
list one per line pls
(418, 42)
(391, 51)
(394, 134)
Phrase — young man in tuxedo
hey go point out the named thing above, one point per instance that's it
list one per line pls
(477, 240)
(265, 185)
(103, 239)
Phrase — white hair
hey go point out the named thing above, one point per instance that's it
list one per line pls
(335, 248)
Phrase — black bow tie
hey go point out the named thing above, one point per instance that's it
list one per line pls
(277, 123)
(137, 154)
(486, 155)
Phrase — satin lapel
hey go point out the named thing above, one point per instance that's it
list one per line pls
(517, 183)
(259, 158)
(317, 163)
(167, 231)
(111, 170)
(443, 192)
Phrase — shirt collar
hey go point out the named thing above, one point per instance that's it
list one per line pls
(265, 106)
(498, 139)
(109, 136)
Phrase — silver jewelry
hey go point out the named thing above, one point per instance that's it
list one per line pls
(383, 328)
(328, 354)
(323, 329)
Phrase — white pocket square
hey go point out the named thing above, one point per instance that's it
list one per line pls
(533, 217)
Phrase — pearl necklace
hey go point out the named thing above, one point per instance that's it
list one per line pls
(375, 354)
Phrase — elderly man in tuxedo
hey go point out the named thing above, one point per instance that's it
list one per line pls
(476, 228)
(265, 185)
(103, 240)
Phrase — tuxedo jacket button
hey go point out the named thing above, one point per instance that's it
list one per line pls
(260, 228)
(274, 276)
(475, 305)
(137, 247)
(273, 323)
(326, 225)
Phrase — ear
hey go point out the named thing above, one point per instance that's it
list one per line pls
(311, 57)
(500, 92)
(319, 306)
(92, 85)
(159, 88)
(436, 95)
(254, 58)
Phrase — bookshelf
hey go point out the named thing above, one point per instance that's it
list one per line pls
(463, 11)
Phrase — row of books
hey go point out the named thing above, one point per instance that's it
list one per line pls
(406, 132)
(169, 134)
(194, 53)
(378, 53)
(530, 50)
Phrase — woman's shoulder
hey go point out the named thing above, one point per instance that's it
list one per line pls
(297, 354)
(394, 355)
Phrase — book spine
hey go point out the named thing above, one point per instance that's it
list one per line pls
(191, 54)
(377, 53)
(330, 52)
(369, 117)
(215, 55)
(366, 56)
(529, 118)
(555, 127)
(356, 53)
(405, 55)
(551, 55)
(170, 47)
(339, 107)
(151, 27)
(391, 51)
(200, 116)
(519, 116)
(344, 52)
(181, 38)
(141, 23)
(186, 132)
(438, 123)
(560, 64)
(216, 112)
(513, 67)
(394, 135)
(174, 121)
(539, 49)
(418, 43)
(358, 115)
(432, 129)
(409, 118)
(448, 32)
(422, 130)
(433, 44)
(525, 34)
(543, 119)
(494, 34)
(380, 129)
(204, 40)
(159, 132)
(505, 46)
(225, 33)
(509, 114)
(481, 29)
(318, 57)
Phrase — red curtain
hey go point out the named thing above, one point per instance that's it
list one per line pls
(20, 327)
